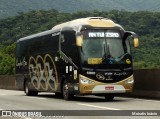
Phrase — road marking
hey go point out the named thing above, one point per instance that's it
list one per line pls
(2, 94)
(138, 99)
(147, 100)
(1, 109)
(97, 106)
(36, 98)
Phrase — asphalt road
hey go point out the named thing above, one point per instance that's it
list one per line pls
(16, 100)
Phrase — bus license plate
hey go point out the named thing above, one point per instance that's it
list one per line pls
(109, 88)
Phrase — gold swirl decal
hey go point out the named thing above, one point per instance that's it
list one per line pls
(33, 73)
(52, 76)
(43, 73)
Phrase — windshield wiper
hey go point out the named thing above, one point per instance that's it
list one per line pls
(107, 57)
(107, 54)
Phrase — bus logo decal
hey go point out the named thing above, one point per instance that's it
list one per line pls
(100, 76)
(21, 63)
(43, 72)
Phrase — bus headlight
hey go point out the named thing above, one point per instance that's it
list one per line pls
(86, 81)
(130, 81)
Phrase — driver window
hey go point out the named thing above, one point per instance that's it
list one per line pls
(128, 44)
(68, 43)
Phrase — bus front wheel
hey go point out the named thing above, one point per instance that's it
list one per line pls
(66, 94)
(28, 91)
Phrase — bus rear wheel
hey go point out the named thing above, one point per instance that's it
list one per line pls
(66, 94)
(109, 97)
(27, 91)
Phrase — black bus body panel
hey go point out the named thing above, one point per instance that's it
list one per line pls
(45, 60)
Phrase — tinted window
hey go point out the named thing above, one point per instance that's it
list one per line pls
(68, 44)
(44, 44)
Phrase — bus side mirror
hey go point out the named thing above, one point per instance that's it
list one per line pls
(136, 42)
(134, 37)
(79, 40)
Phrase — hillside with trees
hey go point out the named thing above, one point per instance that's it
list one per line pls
(13, 7)
(145, 24)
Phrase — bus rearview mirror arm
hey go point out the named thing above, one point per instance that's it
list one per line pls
(134, 37)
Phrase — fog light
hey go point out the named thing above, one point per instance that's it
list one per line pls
(130, 81)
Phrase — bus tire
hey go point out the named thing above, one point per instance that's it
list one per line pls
(66, 94)
(59, 95)
(109, 97)
(27, 91)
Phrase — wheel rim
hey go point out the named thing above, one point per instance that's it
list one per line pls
(26, 89)
(65, 91)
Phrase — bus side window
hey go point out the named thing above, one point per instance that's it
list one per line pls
(22, 49)
(50, 44)
(68, 44)
(18, 50)
(34, 47)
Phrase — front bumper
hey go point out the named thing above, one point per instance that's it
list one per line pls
(89, 86)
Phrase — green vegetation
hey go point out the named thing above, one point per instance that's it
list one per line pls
(7, 59)
(145, 24)
(12, 7)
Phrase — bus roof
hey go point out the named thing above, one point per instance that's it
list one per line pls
(76, 25)
(90, 21)
(37, 35)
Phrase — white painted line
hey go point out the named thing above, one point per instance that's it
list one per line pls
(138, 99)
(1, 109)
(97, 106)
(147, 100)
(35, 98)
(2, 94)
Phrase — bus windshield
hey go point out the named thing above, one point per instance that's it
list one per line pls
(104, 47)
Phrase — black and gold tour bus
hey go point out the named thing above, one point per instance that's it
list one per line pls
(87, 56)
